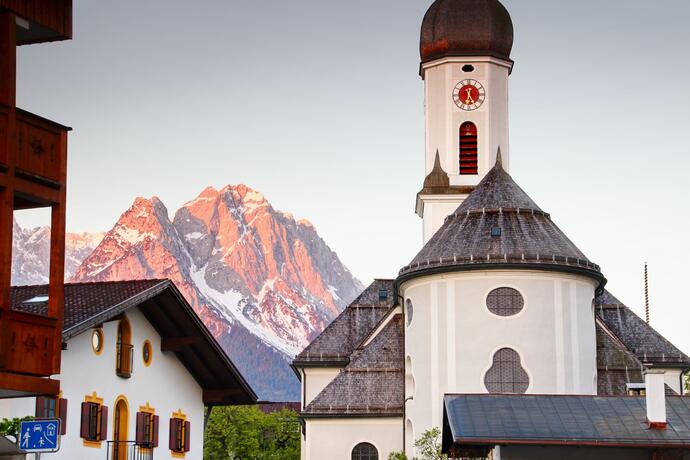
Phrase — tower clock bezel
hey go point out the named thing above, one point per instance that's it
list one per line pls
(480, 93)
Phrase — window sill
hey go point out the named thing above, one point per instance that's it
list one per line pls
(174, 454)
(92, 444)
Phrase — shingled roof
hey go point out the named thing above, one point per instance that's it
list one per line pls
(616, 365)
(89, 305)
(85, 302)
(337, 342)
(650, 347)
(372, 384)
(499, 225)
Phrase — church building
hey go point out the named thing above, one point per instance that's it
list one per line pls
(500, 331)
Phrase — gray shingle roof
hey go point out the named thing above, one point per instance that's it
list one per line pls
(528, 236)
(640, 338)
(84, 301)
(372, 384)
(616, 365)
(337, 342)
(574, 420)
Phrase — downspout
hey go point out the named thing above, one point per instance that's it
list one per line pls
(398, 298)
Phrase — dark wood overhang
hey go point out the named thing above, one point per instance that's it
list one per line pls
(88, 305)
(40, 21)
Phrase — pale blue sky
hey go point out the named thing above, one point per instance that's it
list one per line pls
(318, 104)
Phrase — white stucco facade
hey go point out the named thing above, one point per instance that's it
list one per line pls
(334, 439)
(314, 380)
(165, 385)
(452, 337)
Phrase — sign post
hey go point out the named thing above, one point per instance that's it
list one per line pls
(39, 436)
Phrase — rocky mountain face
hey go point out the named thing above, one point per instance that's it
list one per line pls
(31, 253)
(264, 283)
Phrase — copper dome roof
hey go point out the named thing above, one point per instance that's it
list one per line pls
(466, 28)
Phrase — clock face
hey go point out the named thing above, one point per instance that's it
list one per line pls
(469, 95)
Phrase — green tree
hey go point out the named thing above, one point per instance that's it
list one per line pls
(10, 427)
(246, 433)
(428, 446)
(687, 384)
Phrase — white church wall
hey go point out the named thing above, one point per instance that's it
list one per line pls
(453, 336)
(314, 380)
(165, 385)
(436, 209)
(334, 439)
(672, 378)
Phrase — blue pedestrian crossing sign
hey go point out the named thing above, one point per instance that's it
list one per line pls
(39, 436)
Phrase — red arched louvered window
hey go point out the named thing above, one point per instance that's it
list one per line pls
(469, 164)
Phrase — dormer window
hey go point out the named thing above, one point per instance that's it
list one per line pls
(125, 355)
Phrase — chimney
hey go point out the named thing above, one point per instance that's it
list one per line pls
(655, 390)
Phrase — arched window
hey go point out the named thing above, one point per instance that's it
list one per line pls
(506, 375)
(365, 451)
(124, 356)
(469, 158)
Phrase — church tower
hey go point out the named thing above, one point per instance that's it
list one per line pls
(465, 64)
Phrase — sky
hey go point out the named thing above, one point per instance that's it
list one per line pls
(318, 104)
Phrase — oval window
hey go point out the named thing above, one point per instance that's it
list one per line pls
(147, 353)
(97, 341)
(505, 301)
(409, 311)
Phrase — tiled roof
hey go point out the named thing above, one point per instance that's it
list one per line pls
(640, 338)
(616, 365)
(86, 301)
(372, 384)
(337, 342)
(574, 420)
(528, 236)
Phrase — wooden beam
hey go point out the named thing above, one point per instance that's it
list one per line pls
(179, 343)
(15, 385)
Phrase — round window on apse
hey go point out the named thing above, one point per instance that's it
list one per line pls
(505, 302)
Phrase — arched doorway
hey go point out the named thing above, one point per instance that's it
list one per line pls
(120, 429)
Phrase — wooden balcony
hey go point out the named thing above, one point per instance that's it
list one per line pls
(33, 168)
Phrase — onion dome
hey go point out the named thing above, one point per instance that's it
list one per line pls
(499, 226)
(466, 28)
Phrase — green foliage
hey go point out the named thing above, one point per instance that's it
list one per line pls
(428, 446)
(397, 456)
(10, 427)
(246, 433)
(687, 384)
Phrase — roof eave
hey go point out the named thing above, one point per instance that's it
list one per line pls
(435, 270)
